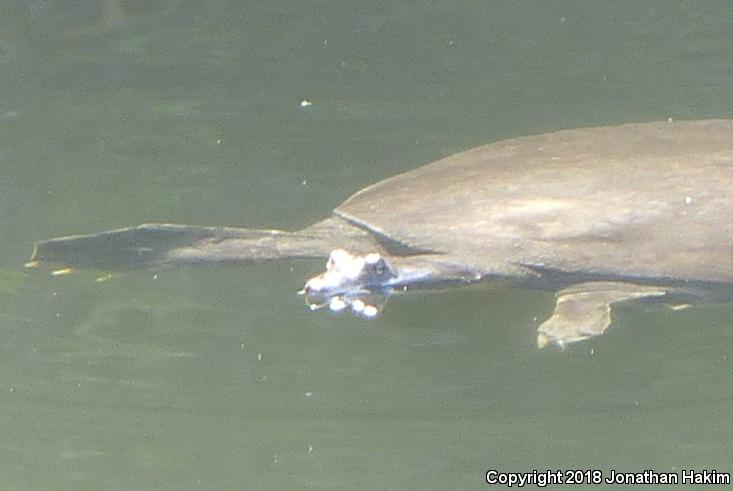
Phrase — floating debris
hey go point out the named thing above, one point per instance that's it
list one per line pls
(104, 278)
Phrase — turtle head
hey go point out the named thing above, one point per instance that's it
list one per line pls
(359, 282)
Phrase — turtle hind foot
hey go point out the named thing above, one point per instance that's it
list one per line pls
(140, 247)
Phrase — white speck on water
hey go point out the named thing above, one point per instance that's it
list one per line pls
(336, 304)
(304, 182)
(305, 103)
(370, 311)
(358, 305)
(219, 141)
(310, 448)
(670, 120)
(259, 356)
(10, 115)
(308, 394)
(155, 276)
(241, 345)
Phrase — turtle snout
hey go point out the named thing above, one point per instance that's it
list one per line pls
(350, 274)
(342, 269)
(320, 284)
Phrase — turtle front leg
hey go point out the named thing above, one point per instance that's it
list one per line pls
(583, 311)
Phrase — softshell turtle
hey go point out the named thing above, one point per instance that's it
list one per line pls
(600, 215)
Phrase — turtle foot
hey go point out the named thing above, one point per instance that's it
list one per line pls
(583, 311)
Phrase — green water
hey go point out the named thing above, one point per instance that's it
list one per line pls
(117, 113)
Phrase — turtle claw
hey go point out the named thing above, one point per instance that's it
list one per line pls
(543, 340)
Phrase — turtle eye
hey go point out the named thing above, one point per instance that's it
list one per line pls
(381, 269)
